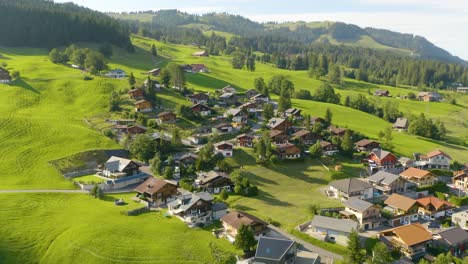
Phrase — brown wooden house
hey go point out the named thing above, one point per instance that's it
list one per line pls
(366, 145)
(245, 140)
(167, 117)
(235, 219)
(137, 129)
(288, 151)
(328, 148)
(143, 106)
(279, 124)
(4, 76)
(188, 159)
(154, 72)
(201, 109)
(306, 137)
(156, 190)
(337, 131)
(136, 94)
(214, 182)
(199, 98)
(382, 159)
(278, 137)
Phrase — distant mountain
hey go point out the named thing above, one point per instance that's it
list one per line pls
(335, 33)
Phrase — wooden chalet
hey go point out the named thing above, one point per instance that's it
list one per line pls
(157, 191)
(4, 76)
(214, 182)
(143, 106)
(136, 94)
(167, 117)
(278, 137)
(306, 137)
(289, 151)
(245, 140)
(202, 109)
(280, 124)
(366, 145)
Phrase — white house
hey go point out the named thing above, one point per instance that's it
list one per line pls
(437, 160)
(116, 74)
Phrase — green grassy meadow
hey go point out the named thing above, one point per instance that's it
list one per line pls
(89, 178)
(75, 228)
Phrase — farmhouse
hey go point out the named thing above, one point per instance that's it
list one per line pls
(137, 129)
(235, 219)
(351, 187)
(434, 207)
(198, 68)
(332, 229)
(278, 137)
(116, 74)
(228, 98)
(337, 131)
(436, 159)
(260, 99)
(382, 160)
(454, 240)
(203, 53)
(4, 76)
(199, 98)
(116, 167)
(136, 94)
(251, 93)
(411, 240)
(166, 117)
(401, 209)
(366, 145)
(419, 177)
(222, 128)
(430, 97)
(387, 183)
(279, 124)
(366, 214)
(143, 106)
(157, 191)
(328, 148)
(214, 182)
(188, 159)
(238, 116)
(401, 124)
(202, 109)
(306, 137)
(193, 208)
(288, 151)
(245, 140)
(379, 92)
(225, 148)
(276, 251)
(154, 72)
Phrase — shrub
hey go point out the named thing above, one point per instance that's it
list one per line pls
(88, 78)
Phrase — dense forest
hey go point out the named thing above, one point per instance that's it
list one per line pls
(306, 48)
(38, 23)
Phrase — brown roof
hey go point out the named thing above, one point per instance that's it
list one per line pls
(289, 149)
(152, 186)
(141, 102)
(238, 218)
(325, 144)
(244, 135)
(365, 142)
(166, 113)
(301, 133)
(414, 173)
(436, 202)
(436, 153)
(411, 234)
(274, 133)
(400, 202)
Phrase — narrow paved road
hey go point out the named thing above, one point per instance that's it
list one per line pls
(325, 255)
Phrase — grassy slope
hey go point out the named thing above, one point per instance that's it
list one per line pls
(75, 228)
(222, 74)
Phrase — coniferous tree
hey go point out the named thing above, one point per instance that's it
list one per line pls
(131, 79)
(245, 239)
(381, 254)
(154, 52)
(355, 254)
(328, 117)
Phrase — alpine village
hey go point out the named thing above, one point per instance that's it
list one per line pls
(167, 137)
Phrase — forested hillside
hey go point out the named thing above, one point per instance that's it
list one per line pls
(37, 23)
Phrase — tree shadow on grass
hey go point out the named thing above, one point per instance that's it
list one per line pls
(297, 170)
(359, 85)
(206, 81)
(270, 199)
(442, 143)
(243, 208)
(258, 179)
(23, 84)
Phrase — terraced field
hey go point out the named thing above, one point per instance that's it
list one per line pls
(75, 228)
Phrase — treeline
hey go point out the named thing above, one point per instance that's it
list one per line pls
(38, 23)
(88, 59)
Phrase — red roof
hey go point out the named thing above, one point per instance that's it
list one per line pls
(436, 202)
(437, 153)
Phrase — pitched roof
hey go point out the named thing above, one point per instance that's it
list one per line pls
(383, 177)
(411, 234)
(244, 135)
(401, 122)
(365, 142)
(436, 153)
(415, 173)
(211, 175)
(200, 96)
(454, 236)
(381, 154)
(185, 201)
(116, 163)
(188, 155)
(436, 202)
(274, 133)
(301, 133)
(226, 95)
(165, 113)
(238, 218)
(152, 186)
(202, 106)
(135, 90)
(350, 185)
(233, 111)
(219, 206)
(357, 204)
(400, 202)
(223, 143)
(289, 149)
(273, 248)
(343, 225)
(275, 122)
(324, 144)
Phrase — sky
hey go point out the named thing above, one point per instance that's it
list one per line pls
(443, 22)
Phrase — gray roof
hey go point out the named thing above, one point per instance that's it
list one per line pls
(357, 204)
(185, 201)
(226, 95)
(350, 185)
(116, 163)
(454, 236)
(401, 122)
(272, 248)
(381, 153)
(233, 111)
(275, 121)
(343, 225)
(219, 206)
(383, 177)
(211, 175)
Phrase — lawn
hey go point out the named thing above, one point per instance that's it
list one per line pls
(88, 179)
(75, 228)
(285, 190)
